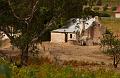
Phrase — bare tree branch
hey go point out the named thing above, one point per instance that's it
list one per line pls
(29, 18)
(33, 11)
(48, 25)
(13, 11)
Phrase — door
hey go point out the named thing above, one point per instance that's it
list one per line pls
(66, 37)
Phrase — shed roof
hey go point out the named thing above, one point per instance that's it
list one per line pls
(75, 24)
(70, 26)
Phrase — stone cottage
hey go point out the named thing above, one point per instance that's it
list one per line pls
(66, 33)
(77, 30)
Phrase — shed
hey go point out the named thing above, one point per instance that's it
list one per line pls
(117, 12)
(68, 33)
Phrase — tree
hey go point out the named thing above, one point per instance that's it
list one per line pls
(91, 3)
(105, 8)
(26, 21)
(114, 8)
(99, 2)
(112, 45)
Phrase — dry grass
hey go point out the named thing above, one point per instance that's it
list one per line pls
(68, 52)
(111, 23)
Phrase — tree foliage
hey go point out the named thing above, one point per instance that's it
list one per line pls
(26, 21)
(112, 45)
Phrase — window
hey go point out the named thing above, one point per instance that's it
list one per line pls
(70, 35)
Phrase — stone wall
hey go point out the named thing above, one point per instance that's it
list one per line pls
(94, 34)
(57, 37)
(60, 37)
(97, 34)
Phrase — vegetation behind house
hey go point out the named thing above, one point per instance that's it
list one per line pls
(111, 23)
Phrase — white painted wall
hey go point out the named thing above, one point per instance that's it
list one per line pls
(4, 36)
(73, 36)
(117, 15)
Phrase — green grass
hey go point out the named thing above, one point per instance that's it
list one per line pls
(53, 71)
(111, 23)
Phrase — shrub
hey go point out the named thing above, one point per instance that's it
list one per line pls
(104, 14)
(96, 8)
(114, 8)
(105, 7)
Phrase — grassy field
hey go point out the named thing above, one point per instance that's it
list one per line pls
(46, 70)
(111, 23)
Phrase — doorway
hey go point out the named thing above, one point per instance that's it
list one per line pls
(66, 37)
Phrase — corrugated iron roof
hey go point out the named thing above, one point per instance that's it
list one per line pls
(75, 24)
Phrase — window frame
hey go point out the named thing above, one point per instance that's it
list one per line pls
(70, 35)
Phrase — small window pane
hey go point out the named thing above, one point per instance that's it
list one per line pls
(70, 35)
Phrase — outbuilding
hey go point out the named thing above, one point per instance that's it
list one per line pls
(66, 33)
(87, 29)
(117, 12)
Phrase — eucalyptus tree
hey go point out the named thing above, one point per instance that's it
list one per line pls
(26, 21)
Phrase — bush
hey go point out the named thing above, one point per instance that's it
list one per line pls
(104, 14)
(114, 8)
(105, 7)
(96, 8)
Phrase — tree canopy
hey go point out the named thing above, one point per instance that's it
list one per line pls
(26, 21)
(111, 43)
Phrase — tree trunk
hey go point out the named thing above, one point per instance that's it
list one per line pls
(24, 56)
(115, 65)
(114, 62)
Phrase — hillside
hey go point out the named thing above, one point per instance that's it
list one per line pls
(111, 23)
(111, 2)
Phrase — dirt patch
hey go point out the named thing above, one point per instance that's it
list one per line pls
(70, 52)
(6, 44)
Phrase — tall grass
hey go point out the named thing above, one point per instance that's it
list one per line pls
(47, 70)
